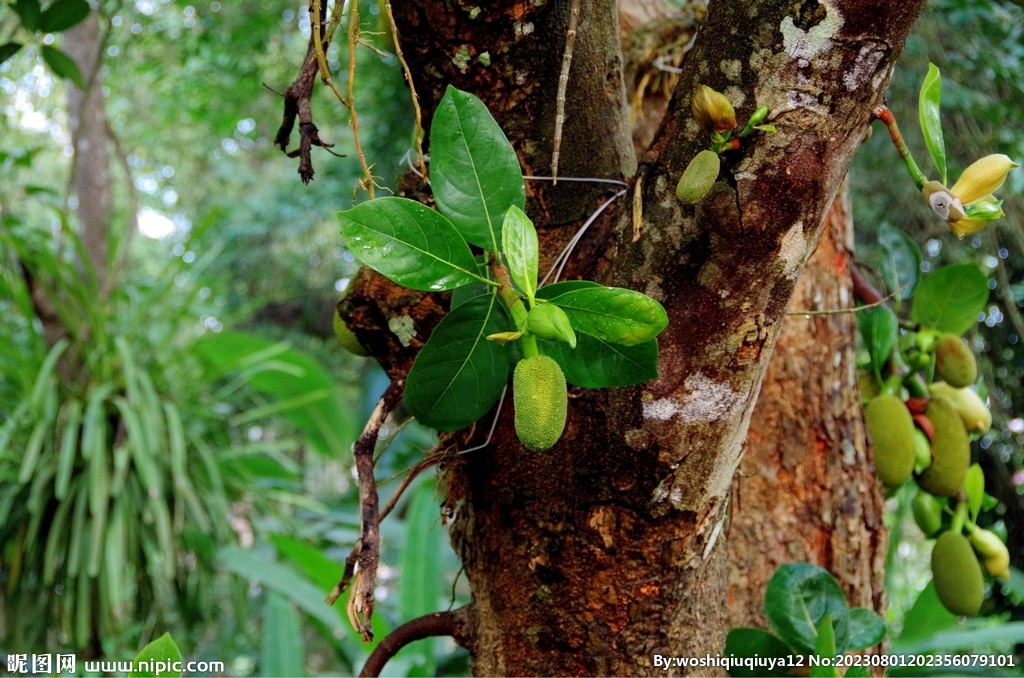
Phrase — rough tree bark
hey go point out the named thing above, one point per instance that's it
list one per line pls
(596, 555)
(805, 490)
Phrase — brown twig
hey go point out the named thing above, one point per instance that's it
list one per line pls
(427, 626)
(353, 39)
(412, 89)
(367, 552)
(855, 309)
(862, 289)
(563, 83)
(298, 104)
(418, 468)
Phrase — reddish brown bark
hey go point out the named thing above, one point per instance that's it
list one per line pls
(805, 490)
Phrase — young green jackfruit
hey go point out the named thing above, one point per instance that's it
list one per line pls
(347, 338)
(977, 417)
(892, 437)
(698, 177)
(951, 450)
(541, 401)
(957, 574)
(928, 513)
(954, 361)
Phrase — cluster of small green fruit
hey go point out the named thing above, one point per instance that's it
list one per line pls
(928, 437)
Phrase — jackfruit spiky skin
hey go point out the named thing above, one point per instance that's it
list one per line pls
(541, 401)
(954, 361)
(957, 574)
(951, 450)
(347, 338)
(892, 437)
(928, 513)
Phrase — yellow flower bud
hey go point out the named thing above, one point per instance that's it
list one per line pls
(712, 110)
(982, 178)
(972, 410)
(994, 554)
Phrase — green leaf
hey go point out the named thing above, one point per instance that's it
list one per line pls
(926, 617)
(63, 14)
(950, 299)
(8, 50)
(519, 244)
(866, 628)
(880, 329)
(613, 314)
(158, 655)
(467, 292)
(458, 374)
(421, 580)
(974, 488)
(596, 363)
(931, 122)
(30, 13)
(901, 261)
(998, 637)
(474, 171)
(798, 597)
(63, 65)
(408, 243)
(287, 376)
(555, 289)
(756, 643)
(283, 650)
(858, 671)
(282, 579)
(825, 648)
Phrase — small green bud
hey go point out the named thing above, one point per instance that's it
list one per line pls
(548, 321)
(504, 337)
(699, 177)
(760, 114)
(922, 451)
(928, 512)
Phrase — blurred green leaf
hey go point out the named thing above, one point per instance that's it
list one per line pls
(926, 617)
(798, 597)
(421, 581)
(7, 50)
(159, 656)
(283, 649)
(974, 488)
(30, 13)
(951, 298)
(825, 648)
(901, 261)
(62, 15)
(756, 643)
(867, 629)
(62, 65)
(880, 329)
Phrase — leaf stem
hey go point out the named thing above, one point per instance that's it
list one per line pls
(886, 116)
(959, 518)
(512, 300)
(529, 344)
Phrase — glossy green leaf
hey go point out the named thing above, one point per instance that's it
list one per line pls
(880, 329)
(459, 374)
(951, 298)
(867, 629)
(420, 586)
(758, 644)
(555, 289)
(408, 243)
(158, 656)
(613, 314)
(8, 50)
(467, 292)
(29, 12)
(798, 597)
(931, 122)
(901, 261)
(474, 171)
(283, 648)
(63, 65)
(63, 14)
(825, 649)
(974, 488)
(596, 363)
(519, 244)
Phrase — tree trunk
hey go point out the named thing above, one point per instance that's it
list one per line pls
(91, 164)
(596, 555)
(805, 490)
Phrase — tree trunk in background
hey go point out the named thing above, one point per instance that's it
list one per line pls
(91, 164)
(592, 557)
(806, 490)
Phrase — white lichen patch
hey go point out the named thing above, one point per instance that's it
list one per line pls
(736, 96)
(731, 68)
(403, 327)
(801, 44)
(793, 249)
(863, 66)
(702, 400)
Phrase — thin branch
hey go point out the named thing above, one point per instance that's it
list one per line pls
(595, 180)
(855, 309)
(412, 87)
(367, 553)
(427, 626)
(1012, 310)
(420, 466)
(353, 39)
(563, 83)
(563, 256)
